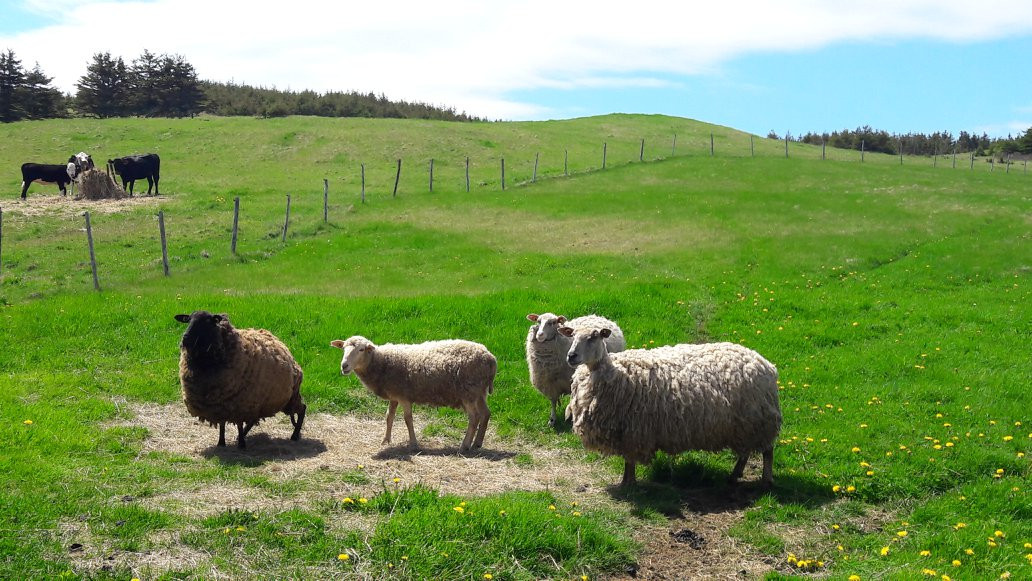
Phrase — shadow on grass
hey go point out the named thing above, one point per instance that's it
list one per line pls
(262, 448)
(671, 488)
(404, 452)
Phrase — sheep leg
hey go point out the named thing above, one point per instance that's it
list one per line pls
(242, 429)
(298, 423)
(628, 474)
(739, 468)
(391, 408)
(551, 418)
(222, 434)
(407, 407)
(485, 415)
(471, 426)
(768, 468)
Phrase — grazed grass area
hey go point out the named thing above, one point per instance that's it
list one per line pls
(894, 300)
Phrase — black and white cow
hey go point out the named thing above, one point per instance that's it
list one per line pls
(44, 173)
(137, 167)
(83, 162)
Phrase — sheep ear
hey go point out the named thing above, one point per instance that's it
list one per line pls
(561, 319)
(532, 317)
(566, 331)
(337, 343)
(183, 318)
(366, 349)
(605, 332)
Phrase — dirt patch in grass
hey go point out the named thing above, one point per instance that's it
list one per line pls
(68, 207)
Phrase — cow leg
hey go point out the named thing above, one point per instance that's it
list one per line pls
(64, 192)
(24, 188)
(156, 191)
(150, 184)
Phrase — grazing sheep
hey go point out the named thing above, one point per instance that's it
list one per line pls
(686, 397)
(547, 349)
(454, 373)
(237, 375)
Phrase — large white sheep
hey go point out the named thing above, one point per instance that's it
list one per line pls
(547, 349)
(712, 396)
(237, 375)
(453, 373)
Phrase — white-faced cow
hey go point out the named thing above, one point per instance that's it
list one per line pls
(137, 167)
(45, 173)
(83, 162)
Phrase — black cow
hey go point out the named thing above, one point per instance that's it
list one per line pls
(62, 175)
(138, 167)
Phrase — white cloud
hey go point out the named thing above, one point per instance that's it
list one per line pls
(471, 54)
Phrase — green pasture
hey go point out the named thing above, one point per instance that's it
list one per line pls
(894, 300)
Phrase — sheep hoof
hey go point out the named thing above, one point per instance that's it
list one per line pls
(385, 442)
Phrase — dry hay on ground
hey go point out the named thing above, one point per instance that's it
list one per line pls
(97, 185)
(333, 447)
(70, 207)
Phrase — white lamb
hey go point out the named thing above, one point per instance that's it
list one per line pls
(453, 373)
(687, 397)
(547, 349)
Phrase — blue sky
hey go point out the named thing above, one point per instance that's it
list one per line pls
(793, 65)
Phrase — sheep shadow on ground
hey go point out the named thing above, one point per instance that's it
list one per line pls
(701, 489)
(404, 452)
(262, 448)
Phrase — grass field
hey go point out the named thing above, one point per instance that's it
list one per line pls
(894, 300)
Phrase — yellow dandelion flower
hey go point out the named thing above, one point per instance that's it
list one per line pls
(949, 444)
(850, 488)
(884, 551)
(998, 534)
(343, 557)
(404, 557)
(854, 578)
(925, 553)
(551, 507)
(969, 551)
(929, 572)
(937, 447)
(870, 472)
(488, 576)
(862, 426)
(361, 466)
(459, 509)
(992, 544)
(855, 449)
(835, 527)
(945, 577)
(363, 500)
(1028, 545)
(840, 547)
(27, 422)
(836, 488)
(901, 534)
(956, 563)
(584, 578)
(576, 513)
(501, 513)
(1008, 438)
(347, 500)
(241, 529)
(959, 525)
(397, 480)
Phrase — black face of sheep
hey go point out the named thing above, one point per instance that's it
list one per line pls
(207, 338)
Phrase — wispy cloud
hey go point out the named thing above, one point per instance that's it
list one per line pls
(472, 54)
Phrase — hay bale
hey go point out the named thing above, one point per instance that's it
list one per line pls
(97, 185)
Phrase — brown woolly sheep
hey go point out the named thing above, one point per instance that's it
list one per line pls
(454, 373)
(237, 375)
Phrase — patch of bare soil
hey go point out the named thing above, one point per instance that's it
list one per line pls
(68, 207)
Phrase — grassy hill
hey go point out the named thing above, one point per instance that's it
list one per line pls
(893, 298)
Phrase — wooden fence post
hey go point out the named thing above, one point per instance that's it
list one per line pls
(566, 162)
(164, 245)
(641, 152)
(363, 183)
(824, 149)
(397, 178)
(1008, 165)
(935, 157)
(93, 257)
(954, 157)
(467, 174)
(711, 151)
(752, 147)
(286, 221)
(673, 146)
(431, 175)
(604, 146)
(786, 144)
(535, 167)
(992, 164)
(861, 151)
(972, 160)
(236, 220)
(503, 174)
(900, 152)
(325, 200)
(1023, 171)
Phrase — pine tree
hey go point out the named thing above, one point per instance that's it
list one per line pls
(39, 100)
(12, 82)
(104, 90)
(144, 76)
(177, 89)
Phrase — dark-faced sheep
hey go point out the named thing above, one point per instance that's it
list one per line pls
(712, 396)
(452, 373)
(238, 376)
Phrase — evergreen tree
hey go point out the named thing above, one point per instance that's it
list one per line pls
(144, 76)
(177, 89)
(40, 100)
(12, 82)
(104, 90)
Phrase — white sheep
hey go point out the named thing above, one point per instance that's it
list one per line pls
(712, 396)
(453, 373)
(237, 375)
(546, 352)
